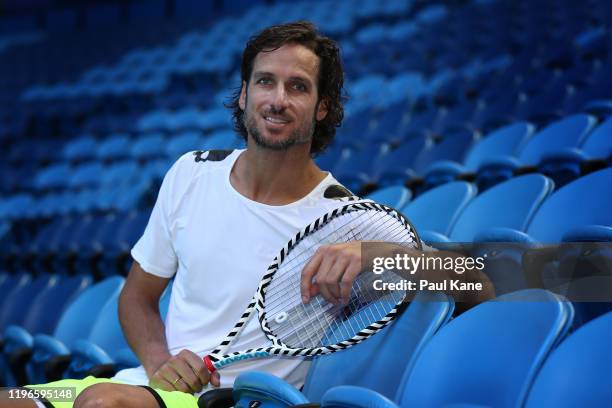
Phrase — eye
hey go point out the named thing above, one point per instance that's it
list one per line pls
(298, 86)
(264, 81)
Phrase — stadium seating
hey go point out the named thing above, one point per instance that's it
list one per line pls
(393, 196)
(459, 114)
(509, 338)
(437, 210)
(574, 373)
(50, 354)
(390, 351)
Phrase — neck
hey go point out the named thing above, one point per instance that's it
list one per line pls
(275, 177)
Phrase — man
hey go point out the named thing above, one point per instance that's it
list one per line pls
(220, 219)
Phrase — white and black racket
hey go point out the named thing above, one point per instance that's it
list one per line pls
(320, 327)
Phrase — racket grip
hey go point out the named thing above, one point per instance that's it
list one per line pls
(209, 364)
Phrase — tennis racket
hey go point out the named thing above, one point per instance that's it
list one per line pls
(320, 327)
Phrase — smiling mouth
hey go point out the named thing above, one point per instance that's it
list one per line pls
(275, 121)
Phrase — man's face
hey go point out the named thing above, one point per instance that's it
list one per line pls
(280, 106)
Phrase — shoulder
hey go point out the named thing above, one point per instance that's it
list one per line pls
(192, 165)
(331, 191)
(198, 160)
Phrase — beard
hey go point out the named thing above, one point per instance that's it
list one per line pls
(300, 136)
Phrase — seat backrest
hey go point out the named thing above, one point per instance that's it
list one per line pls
(599, 143)
(586, 201)
(568, 132)
(577, 373)
(378, 362)
(489, 355)
(511, 204)
(452, 146)
(437, 209)
(46, 311)
(78, 319)
(19, 301)
(503, 142)
(394, 196)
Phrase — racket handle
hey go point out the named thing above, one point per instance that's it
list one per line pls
(209, 365)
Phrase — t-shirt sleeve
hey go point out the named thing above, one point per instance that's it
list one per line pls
(154, 251)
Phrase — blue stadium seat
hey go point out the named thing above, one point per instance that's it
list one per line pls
(74, 324)
(437, 210)
(501, 143)
(41, 318)
(396, 166)
(86, 175)
(569, 132)
(570, 163)
(115, 147)
(55, 176)
(576, 212)
(393, 196)
(148, 146)
(80, 149)
(106, 347)
(452, 146)
(352, 168)
(413, 330)
(511, 204)
(183, 143)
(575, 373)
(509, 337)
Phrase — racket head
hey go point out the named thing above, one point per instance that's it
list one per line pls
(320, 327)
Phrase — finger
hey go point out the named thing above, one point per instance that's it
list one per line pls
(334, 277)
(188, 377)
(346, 284)
(215, 379)
(322, 278)
(168, 374)
(161, 384)
(307, 275)
(197, 366)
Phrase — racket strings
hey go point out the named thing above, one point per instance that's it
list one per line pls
(289, 282)
(287, 277)
(306, 325)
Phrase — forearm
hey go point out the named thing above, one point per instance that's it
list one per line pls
(144, 330)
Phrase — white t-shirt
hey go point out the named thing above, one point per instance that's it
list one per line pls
(217, 244)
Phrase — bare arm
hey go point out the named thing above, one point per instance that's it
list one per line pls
(145, 332)
(140, 317)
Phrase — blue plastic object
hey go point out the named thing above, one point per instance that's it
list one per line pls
(487, 356)
(73, 325)
(586, 201)
(568, 132)
(437, 210)
(576, 374)
(567, 164)
(384, 357)
(393, 196)
(511, 204)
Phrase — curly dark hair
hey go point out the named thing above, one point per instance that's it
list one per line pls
(330, 80)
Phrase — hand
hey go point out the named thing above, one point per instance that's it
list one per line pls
(184, 372)
(331, 272)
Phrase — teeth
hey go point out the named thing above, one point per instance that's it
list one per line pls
(274, 120)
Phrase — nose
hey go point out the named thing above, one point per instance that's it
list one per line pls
(279, 100)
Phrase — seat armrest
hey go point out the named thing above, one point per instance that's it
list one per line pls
(504, 235)
(348, 396)
(217, 398)
(433, 236)
(269, 390)
(589, 233)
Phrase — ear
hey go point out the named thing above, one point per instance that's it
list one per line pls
(242, 99)
(321, 110)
